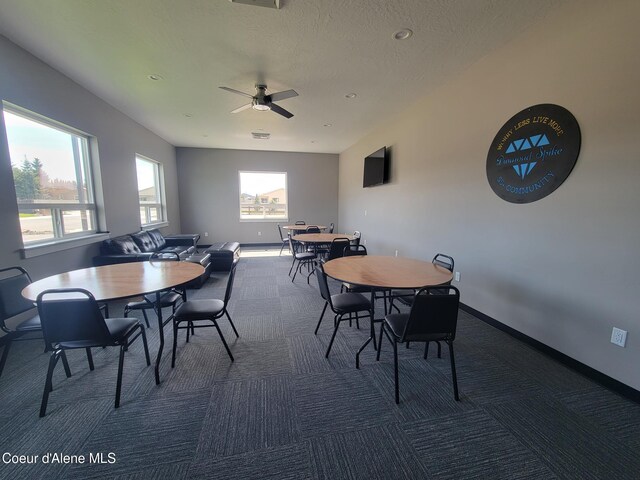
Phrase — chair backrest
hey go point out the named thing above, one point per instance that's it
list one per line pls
(351, 250)
(313, 229)
(12, 302)
(444, 261)
(75, 317)
(300, 222)
(232, 276)
(356, 240)
(337, 247)
(331, 227)
(434, 313)
(280, 232)
(322, 284)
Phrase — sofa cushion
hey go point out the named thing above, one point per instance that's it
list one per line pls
(119, 245)
(144, 241)
(157, 238)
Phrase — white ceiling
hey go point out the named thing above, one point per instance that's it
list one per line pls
(323, 49)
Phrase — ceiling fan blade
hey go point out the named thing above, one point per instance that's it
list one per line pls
(236, 91)
(276, 97)
(281, 111)
(243, 107)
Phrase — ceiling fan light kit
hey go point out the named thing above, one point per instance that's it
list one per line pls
(262, 101)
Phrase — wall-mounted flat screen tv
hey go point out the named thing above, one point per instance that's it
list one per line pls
(376, 168)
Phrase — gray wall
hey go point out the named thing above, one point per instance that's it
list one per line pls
(209, 191)
(563, 270)
(30, 83)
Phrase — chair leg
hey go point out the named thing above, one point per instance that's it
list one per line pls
(65, 362)
(224, 342)
(146, 319)
(335, 330)
(231, 322)
(295, 272)
(5, 354)
(281, 248)
(395, 370)
(48, 383)
(453, 372)
(90, 358)
(119, 380)
(380, 343)
(175, 342)
(145, 345)
(189, 330)
(439, 349)
(292, 264)
(321, 316)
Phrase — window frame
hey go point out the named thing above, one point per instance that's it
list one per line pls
(285, 218)
(86, 153)
(161, 200)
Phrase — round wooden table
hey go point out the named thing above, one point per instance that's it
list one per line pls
(388, 273)
(123, 280)
(302, 228)
(320, 237)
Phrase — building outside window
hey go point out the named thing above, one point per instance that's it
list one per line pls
(52, 176)
(150, 191)
(263, 196)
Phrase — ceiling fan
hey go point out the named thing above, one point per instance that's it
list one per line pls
(262, 101)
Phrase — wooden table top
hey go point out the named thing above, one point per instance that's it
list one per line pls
(387, 272)
(302, 228)
(121, 280)
(320, 237)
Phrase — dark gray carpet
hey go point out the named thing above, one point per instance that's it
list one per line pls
(283, 411)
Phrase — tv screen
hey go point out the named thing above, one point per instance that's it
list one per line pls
(376, 168)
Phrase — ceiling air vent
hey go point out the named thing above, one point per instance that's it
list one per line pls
(260, 135)
(260, 3)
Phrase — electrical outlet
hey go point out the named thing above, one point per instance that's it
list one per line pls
(259, 234)
(457, 276)
(619, 337)
(206, 234)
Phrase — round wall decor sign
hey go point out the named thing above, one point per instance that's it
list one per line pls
(533, 153)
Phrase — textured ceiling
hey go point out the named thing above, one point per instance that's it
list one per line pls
(324, 49)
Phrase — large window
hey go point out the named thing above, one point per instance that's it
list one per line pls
(52, 178)
(263, 196)
(150, 191)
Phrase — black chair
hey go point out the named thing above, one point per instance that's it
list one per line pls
(76, 321)
(312, 229)
(336, 248)
(331, 227)
(433, 317)
(12, 304)
(204, 310)
(283, 239)
(341, 304)
(303, 258)
(169, 298)
(357, 235)
(354, 250)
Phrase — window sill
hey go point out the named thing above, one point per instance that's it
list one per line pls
(60, 245)
(264, 220)
(152, 226)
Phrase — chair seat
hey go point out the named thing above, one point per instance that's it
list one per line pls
(30, 325)
(199, 309)
(350, 302)
(167, 299)
(305, 256)
(119, 328)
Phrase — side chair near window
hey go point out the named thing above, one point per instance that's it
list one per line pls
(12, 304)
(341, 304)
(209, 311)
(303, 258)
(169, 298)
(75, 321)
(433, 317)
(283, 239)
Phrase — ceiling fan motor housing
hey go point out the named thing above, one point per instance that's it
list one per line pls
(261, 101)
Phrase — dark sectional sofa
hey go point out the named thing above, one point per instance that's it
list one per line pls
(138, 247)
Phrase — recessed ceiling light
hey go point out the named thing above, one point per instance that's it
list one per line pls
(350, 95)
(155, 77)
(402, 34)
(327, 125)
